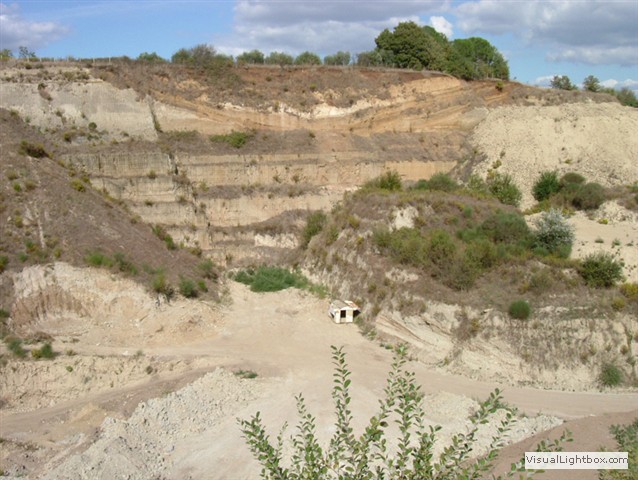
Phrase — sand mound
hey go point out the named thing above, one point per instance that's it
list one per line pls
(596, 140)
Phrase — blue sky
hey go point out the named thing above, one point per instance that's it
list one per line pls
(539, 38)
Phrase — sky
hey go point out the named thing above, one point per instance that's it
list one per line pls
(539, 38)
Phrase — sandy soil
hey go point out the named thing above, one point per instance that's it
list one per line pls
(192, 433)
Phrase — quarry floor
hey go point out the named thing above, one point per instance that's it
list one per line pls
(285, 338)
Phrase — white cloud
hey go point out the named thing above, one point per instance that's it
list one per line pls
(15, 31)
(322, 27)
(441, 25)
(593, 32)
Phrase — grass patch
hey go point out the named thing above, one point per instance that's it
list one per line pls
(234, 139)
(314, 224)
(163, 235)
(610, 375)
(188, 288)
(271, 279)
(519, 310)
(249, 374)
(14, 345)
(45, 352)
(600, 270)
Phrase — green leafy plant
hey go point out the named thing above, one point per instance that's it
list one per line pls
(14, 345)
(188, 288)
(390, 181)
(271, 279)
(610, 375)
(554, 234)
(600, 269)
(314, 224)
(234, 139)
(519, 310)
(589, 196)
(4, 261)
(545, 186)
(208, 269)
(46, 352)
(438, 181)
(370, 455)
(502, 186)
(626, 437)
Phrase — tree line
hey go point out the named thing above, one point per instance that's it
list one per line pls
(591, 83)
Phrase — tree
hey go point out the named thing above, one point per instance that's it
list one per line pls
(372, 58)
(371, 455)
(562, 83)
(25, 53)
(627, 97)
(415, 47)
(6, 54)
(252, 57)
(279, 58)
(308, 58)
(150, 58)
(477, 58)
(339, 58)
(591, 84)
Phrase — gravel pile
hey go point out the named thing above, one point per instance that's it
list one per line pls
(140, 447)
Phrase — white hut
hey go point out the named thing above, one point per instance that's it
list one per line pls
(343, 311)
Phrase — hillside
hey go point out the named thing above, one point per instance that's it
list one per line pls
(131, 193)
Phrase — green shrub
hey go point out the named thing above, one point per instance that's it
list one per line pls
(98, 259)
(441, 249)
(390, 181)
(554, 233)
(32, 150)
(314, 224)
(571, 178)
(519, 310)
(14, 345)
(4, 261)
(504, 227)
(600, 270)
(161, 285)
(546, 186)
(234, 139)
(46, 352)
(77, 184)
(165, 237)
(188, 288)
(124, 265)
(504, 188)
(405, 245)
(438, 181)
(201, 284)
(271, 279)
(610, 375)
(630, 291)
(372, 454)
(208, 269)
(627, 441)
(589, 196)
(482, 252)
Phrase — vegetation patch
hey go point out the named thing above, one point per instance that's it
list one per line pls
(371, 455)
(610, 375)
(520, 310)
(33, 150)
(600, 270)
(234, 139)
(314, 224)
(271, 279)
